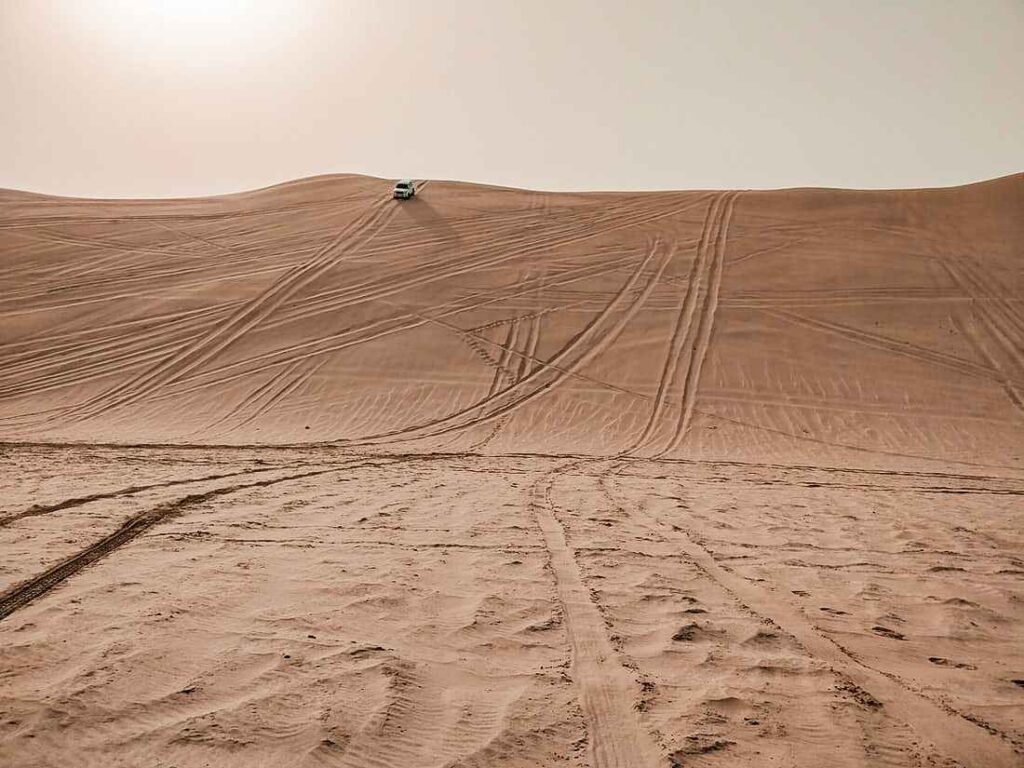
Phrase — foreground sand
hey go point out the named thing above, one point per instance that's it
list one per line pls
(506, 478)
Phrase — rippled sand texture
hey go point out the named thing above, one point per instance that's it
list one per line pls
(306, 476)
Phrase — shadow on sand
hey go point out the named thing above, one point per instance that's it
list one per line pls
(425, 216)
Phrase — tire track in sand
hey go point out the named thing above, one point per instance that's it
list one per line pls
(700, 340)
(24, 593)
(239, 323)
(327, 345)
(950, 732)
(683, 324)
(974, 332)
(502, 370)
(77, 501)
(371, 331)
(279, 387)
(586, 345)
(525, 365)
(907, 349)
(606, 690)
(988, 322)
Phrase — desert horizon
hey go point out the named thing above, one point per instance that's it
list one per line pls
(333, 175)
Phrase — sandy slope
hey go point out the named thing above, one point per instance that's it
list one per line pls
(306, 476)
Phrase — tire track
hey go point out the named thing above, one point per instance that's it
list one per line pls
(682, 325)
(361, 335)
(297, 379)
(197, 351)
(990, 323)
(320, 306)
(989, 291)
(477, 341)
(130, 356)
(72, 340)
(607, 691)
(502, 370)
(205, 281)
(22, 594)
(266, 396)
(415, 319)
(400, 277)
(971, 332)
(240, 323)
(705, 325)
(36, 221)
(143, 277)
(527, 358)
(884, 343)
(586, 345)
(45, 509)
(266, 389)
(471, 303)
(479, 350)
(781, 400)
(241, 256)
(950, 732)
(766, 250)
(42, 236)
(850, 446)
(408, 321)
(526, 364)
(52, 368)
(838, 298)
(414, 272)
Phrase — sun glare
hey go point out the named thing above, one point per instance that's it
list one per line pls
(192, 34)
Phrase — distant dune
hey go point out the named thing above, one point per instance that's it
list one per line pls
(782, 324)
(501, 479)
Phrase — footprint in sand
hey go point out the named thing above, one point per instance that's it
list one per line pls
(833, 611)
(692, 632)
(947, 663)
(892, 634)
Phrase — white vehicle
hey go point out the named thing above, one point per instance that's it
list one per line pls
(404, 189)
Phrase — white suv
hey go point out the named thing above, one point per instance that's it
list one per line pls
(404, 189)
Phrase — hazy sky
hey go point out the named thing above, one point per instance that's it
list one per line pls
(126, 98)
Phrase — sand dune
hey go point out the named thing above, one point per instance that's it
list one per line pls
(307, 476)
(694, 324)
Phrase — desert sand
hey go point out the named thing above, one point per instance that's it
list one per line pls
(308, 476)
